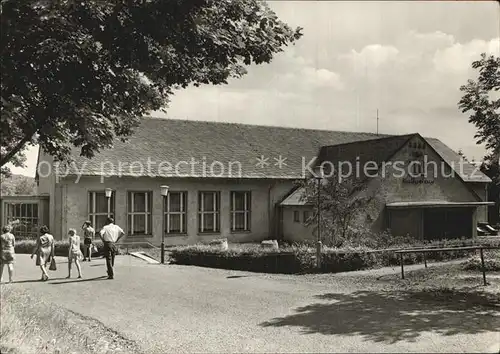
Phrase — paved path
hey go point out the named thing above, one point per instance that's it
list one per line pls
(190, 309)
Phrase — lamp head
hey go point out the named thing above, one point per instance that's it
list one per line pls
(108, 192)
(164, 190)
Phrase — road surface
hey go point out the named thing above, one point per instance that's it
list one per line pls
(191, 309)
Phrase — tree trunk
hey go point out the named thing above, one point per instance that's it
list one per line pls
(18, 147)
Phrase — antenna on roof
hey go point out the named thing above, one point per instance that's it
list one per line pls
(377, 121)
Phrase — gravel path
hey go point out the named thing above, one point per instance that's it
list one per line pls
(191, 309)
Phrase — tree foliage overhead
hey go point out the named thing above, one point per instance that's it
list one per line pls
(83, 72)
(481, 100)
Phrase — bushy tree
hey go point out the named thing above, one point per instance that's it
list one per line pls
(25, 186)
(341, 207)
(80, 73)
(482, 101)
(18, 185)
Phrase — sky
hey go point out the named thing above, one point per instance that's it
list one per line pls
(406, 59)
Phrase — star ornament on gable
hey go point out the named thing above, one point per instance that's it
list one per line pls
(280, 161)
(262, 161)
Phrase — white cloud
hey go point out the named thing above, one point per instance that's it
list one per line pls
(373, 56)
(295, 72)
(319, 78)
(459, 56)
(401, 79)
(425, 42)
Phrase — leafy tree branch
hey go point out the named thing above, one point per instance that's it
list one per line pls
(81, 73)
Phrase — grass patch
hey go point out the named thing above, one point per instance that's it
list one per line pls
(32, 325)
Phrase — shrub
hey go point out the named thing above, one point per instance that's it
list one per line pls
(61, 247)
(301, 257)
(491, 262)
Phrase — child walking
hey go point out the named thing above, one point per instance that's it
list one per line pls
(88, 239)
(74, 253)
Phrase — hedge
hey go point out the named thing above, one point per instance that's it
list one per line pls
(296, 259)
(61, 249)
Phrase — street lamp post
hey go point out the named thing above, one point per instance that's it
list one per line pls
(108, 192)
(319, 245)
(164, 193)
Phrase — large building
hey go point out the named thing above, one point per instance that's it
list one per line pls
(237, 181)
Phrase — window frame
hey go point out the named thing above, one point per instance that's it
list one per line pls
(304, 217)
(20, 230)
(215, 213)
(247, 211)
(296, 216)
(92, 215)
(182, 213)
(148, 213)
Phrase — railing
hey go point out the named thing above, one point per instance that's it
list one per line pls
(448, 249)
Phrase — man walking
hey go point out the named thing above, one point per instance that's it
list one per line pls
(110, 234)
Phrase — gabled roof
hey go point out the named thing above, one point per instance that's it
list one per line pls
(177, 142)
(297, 198)
(190, 148)
(381, 150)
(467, 171)
(374, 151)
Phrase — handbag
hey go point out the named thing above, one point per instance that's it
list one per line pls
(53, 265)
(94, 249)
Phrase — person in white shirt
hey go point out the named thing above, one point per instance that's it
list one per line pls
(110, 234)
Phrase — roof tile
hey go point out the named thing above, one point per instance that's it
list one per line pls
(187, 148)
(193, 146)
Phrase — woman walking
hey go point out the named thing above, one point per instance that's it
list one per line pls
(7, 243)
(74, 253)
(44, 251)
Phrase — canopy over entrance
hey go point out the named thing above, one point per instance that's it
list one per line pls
(437, 204)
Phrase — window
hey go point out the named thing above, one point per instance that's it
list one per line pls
(240, 211)
(296, 216)
(27, 215)
(98, 208)
(307, 215)
(175, 213)
(139, 213)
(208, 211)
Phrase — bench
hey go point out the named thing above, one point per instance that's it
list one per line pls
(401, 253)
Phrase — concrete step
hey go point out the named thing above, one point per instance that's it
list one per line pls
(144, 257)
